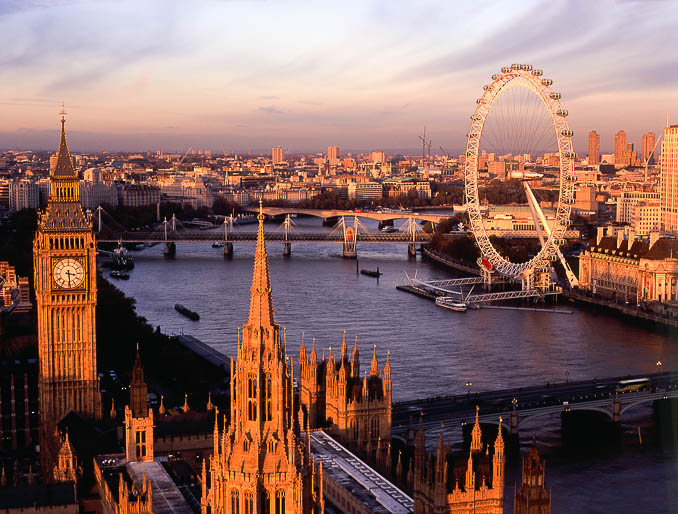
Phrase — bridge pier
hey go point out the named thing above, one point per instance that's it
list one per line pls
(412, 250)
(228, 250)
(170, 250)
(287, 249)
(616, 409)
(350, 250)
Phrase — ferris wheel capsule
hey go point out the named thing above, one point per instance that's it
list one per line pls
(571, 178)
(476, 117)
(495, 76)
(562, 112)
(546, 82)
(515, 67)
(555, 96)
(480, 101)
(567, 133)
(526, 67)
(537, 73)
(569, 201)
(506, 69)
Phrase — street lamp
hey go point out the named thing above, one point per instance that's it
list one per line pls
(468, 385)
(659, 367)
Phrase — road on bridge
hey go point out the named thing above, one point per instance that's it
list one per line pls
(439, 410)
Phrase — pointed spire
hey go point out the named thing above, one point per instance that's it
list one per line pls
(210, 406)
(344, 352)
(355, 362)
(261, 301)
(112, 413)
(366, 391)
(387, 366)
(374, 368)
(64, 163)
(186, 409)
(499, 441)
(314, 355)
(476, 435)
(161, 409)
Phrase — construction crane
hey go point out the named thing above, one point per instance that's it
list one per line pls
(424, 144)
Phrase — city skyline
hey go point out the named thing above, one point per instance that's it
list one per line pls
(175, 77)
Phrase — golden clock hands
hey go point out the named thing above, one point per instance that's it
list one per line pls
(68, 273)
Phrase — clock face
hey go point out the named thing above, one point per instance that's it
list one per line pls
(68, 273)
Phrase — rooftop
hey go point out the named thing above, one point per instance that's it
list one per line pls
(167, 497)
(366, 485)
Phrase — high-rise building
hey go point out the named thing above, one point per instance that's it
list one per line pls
(278, 155)
(23, 194)
(594, 148)
(259, 464)
(648, 146)
(333, 152)
(669, 180)
(620, 148)
(64, 263)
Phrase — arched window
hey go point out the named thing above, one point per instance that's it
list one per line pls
(269, 413)
(251, 398)
(235, 502)
(249, 504)
(265, 502)
(280, 502)
(375, 427)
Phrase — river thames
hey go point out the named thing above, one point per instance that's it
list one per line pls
(433, 351)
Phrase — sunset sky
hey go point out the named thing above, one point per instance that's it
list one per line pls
(247, 75)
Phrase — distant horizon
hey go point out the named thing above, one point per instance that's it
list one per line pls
(75, 144)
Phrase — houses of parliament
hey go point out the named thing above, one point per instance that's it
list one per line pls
(276, 448)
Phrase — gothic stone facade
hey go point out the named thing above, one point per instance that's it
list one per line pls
(476, 486)
(333, 395)
(64, 254)
(259, 464)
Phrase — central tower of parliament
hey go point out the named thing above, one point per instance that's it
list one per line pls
(259, 464)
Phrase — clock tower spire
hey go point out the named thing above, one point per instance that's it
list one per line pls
(64, 267)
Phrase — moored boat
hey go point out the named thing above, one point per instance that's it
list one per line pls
(187, 312)
(453, 306)
(371, 273)
(119, 275)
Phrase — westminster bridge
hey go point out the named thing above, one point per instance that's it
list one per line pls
(516, 407)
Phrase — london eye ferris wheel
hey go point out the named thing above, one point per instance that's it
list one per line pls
(520, 123)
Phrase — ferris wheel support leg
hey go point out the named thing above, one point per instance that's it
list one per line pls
(532, 201)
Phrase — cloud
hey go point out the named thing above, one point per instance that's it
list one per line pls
(270, 109)
(269, 98)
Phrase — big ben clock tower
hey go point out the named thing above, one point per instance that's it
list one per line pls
(64, 266)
